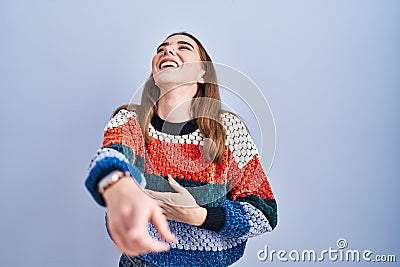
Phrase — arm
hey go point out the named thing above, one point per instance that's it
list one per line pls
(250, 207)
(247, 212)
(128, 208)
(122, 142)
(180, 205)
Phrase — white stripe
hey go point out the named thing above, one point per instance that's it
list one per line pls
(193, 138)
(193, 238)
(119, 119)
(258, 222)
(239, 140)
(103, 153)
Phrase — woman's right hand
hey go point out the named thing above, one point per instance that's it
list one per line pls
(129, 210)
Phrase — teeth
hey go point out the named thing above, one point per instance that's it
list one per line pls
(168, 64)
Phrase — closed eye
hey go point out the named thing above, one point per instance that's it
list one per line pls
(185, 47)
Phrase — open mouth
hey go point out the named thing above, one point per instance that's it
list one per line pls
(168, 64)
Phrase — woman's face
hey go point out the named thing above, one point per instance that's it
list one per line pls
(175, 51)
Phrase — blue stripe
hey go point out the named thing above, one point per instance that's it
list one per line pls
(102, 168)
(236, 224)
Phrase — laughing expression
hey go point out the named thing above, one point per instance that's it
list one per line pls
(173, 52)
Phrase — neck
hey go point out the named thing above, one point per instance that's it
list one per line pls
(174, 105)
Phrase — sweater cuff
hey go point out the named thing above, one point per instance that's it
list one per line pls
(215, 219)
(104, 167)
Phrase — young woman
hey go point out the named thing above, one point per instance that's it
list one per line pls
(198, 165)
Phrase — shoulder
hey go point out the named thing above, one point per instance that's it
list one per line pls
(230, 120)
(238, 138)
(120, 117)
(234, 126)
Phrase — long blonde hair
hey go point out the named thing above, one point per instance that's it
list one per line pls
(205, 107)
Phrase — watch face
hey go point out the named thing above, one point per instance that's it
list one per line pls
(115, 177)
(111, 179)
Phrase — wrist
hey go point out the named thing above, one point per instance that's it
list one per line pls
(110, 179)
(123, 189)
(200, 215)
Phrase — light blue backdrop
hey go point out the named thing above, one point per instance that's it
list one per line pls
(329, 69)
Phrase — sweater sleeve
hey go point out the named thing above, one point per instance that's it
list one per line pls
(250, 207)
(122, 143)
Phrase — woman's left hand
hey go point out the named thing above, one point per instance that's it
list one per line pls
(180, 206)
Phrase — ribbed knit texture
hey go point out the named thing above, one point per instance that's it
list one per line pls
(236, 192)
(215, 220)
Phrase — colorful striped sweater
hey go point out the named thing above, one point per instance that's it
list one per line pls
(236, 193)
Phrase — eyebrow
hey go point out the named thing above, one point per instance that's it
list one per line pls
(186, 43)
(179, 42)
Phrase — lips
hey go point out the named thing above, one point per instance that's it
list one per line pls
(168, 63)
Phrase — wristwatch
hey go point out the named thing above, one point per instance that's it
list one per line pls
(111, 179)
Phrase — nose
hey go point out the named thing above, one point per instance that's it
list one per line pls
(169, 50)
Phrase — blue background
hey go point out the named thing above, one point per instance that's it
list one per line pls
(330, 72)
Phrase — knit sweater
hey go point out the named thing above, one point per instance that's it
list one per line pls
(236, 193)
